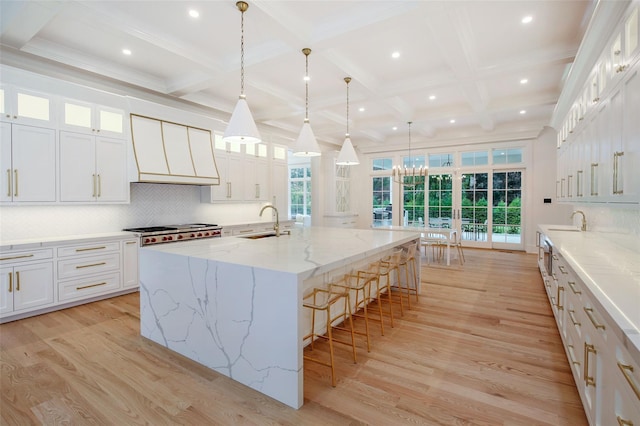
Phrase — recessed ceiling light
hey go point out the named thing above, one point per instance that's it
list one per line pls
(194, 13)
(452, 121)
(432, 97)
(527, 19)
(524, 81)
(361, 109)
(523, 111)
(395, 55)
(394, 128)
(306, 78)
(126, 52)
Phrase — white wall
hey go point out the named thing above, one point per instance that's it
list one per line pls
(151, 204)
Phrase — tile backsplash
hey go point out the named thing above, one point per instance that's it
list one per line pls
(620, 219)
(151, 204)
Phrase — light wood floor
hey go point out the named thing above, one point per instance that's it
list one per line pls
(481, 348)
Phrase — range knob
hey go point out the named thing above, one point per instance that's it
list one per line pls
(170, 238)
(206, 234)
(193, 235)
(164, 238)
(147, 240)
(180, 237)
(199, 234)
(153, 240)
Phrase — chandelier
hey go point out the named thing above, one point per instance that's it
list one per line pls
(409, 176)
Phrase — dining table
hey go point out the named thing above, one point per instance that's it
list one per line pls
(447, 236)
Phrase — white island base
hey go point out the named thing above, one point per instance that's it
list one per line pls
(235, 305)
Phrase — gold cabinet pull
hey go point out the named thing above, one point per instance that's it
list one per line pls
(17, 280)
(91, 265)
(246, 231)
(562, 269)
(588, 349)
(94, 186)
(572, 355)
(130, 242)
(579, 182)
(10, 282)
(91, 248)
(573, 318)
(9, 183)
(90, 285)
(15, 182)
(623, 422)
(616, 172)
(17, 257)
(99, 186)
(572, 284)
(594, 321)
(626, 369)
(560, 307)
(594, 179)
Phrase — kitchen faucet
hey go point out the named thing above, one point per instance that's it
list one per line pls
(276, 227)
(584, 219)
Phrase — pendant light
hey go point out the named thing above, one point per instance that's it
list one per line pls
(306, 144)
(241, 127)
(409, 176)
(347, 155)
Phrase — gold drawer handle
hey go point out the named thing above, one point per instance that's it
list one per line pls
(90, 285)
(594, 321)
(623, 422)
(246, 231)
(589, 380)
(625, 372)
(131, 242)
(560, 307)
(89, 266)
(564, 272)
(91, 248)
(17, 257)
(572, 355)
(573, 287)
(573, 318)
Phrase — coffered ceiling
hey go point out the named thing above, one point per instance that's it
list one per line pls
(470, 55)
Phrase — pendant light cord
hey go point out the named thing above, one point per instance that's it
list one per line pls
(242, 54)
(306, 86)
(347, 106)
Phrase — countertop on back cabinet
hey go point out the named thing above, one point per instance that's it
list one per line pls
(34, 243)
(609, 265)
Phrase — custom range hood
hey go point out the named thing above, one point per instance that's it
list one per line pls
(167, 152)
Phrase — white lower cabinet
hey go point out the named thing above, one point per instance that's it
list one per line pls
(66, 273)
(607, 378)
(26, 286)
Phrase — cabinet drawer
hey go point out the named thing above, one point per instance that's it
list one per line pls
(88, 249)
(7, 257)
(77, 267)
(87, 287)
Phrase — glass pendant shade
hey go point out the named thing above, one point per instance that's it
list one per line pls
(241, 127)
(306, 145)
(347, 155)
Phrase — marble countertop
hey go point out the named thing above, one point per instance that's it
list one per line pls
(609, 265)
(34, 243)
(307, 251)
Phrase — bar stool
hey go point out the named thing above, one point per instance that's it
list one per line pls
(360, 284)
(409, 259)
(392, 263)
(324, 300)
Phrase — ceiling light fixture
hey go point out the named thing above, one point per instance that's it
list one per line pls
(432, 97)
(361, 109)
(126, 52)
(347, 155)
(527, 19)
(523, 112)
(194, 13)
(306, 145)
(241, 127)
(409, 176)
(452, 121)
(524, 81)
(395, 55)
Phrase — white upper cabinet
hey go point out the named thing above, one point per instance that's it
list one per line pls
(93, 169)
(79, 116)
(22, 106)
(28, 161)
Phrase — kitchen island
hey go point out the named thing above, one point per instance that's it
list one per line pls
(235, 304)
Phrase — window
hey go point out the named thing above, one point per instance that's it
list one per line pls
(413, 161)
(413, 201)
(474, 205)
(381, 201)
(300, 190)
(507, 156)
(382, 164)
(477, 158)
(440, 199)
(507, 202)
(441, 160)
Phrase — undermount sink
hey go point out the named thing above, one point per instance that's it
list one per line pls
(259, 236)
